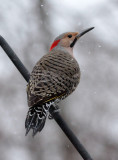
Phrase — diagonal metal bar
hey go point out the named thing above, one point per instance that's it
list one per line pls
(17, 62)
(19, 65)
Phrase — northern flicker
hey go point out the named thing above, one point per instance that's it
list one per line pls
(54, 77)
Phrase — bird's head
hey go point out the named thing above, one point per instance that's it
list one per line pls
(66, 41)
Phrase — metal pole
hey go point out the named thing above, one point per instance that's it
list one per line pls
(19, 65)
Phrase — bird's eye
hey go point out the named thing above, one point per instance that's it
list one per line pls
(69, 36)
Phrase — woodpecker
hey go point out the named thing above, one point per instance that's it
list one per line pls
(54, 77)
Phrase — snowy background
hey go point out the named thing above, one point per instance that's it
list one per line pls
(92, 110)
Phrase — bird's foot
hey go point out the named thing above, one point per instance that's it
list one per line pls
(55, 109)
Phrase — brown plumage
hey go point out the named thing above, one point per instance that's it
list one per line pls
(55, 74)
(54, 77)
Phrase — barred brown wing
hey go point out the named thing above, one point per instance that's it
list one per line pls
(55, 75)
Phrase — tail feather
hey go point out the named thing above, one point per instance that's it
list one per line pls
(28, 122)
(39, 126)
(35, 119)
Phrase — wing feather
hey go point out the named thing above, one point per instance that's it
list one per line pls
(51, 79)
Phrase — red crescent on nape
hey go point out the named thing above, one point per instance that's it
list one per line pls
(54, 44)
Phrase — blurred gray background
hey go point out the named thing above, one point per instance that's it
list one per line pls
(30, 27)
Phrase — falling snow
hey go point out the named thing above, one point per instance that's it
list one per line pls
(92, 110)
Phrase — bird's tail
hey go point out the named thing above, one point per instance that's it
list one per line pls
(36, 118)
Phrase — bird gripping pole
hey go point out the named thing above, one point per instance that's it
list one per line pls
(19, 65)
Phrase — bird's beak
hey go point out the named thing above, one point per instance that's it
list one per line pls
(83, 32)
(79, 35)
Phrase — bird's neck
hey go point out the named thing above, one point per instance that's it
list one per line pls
(64, 49)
